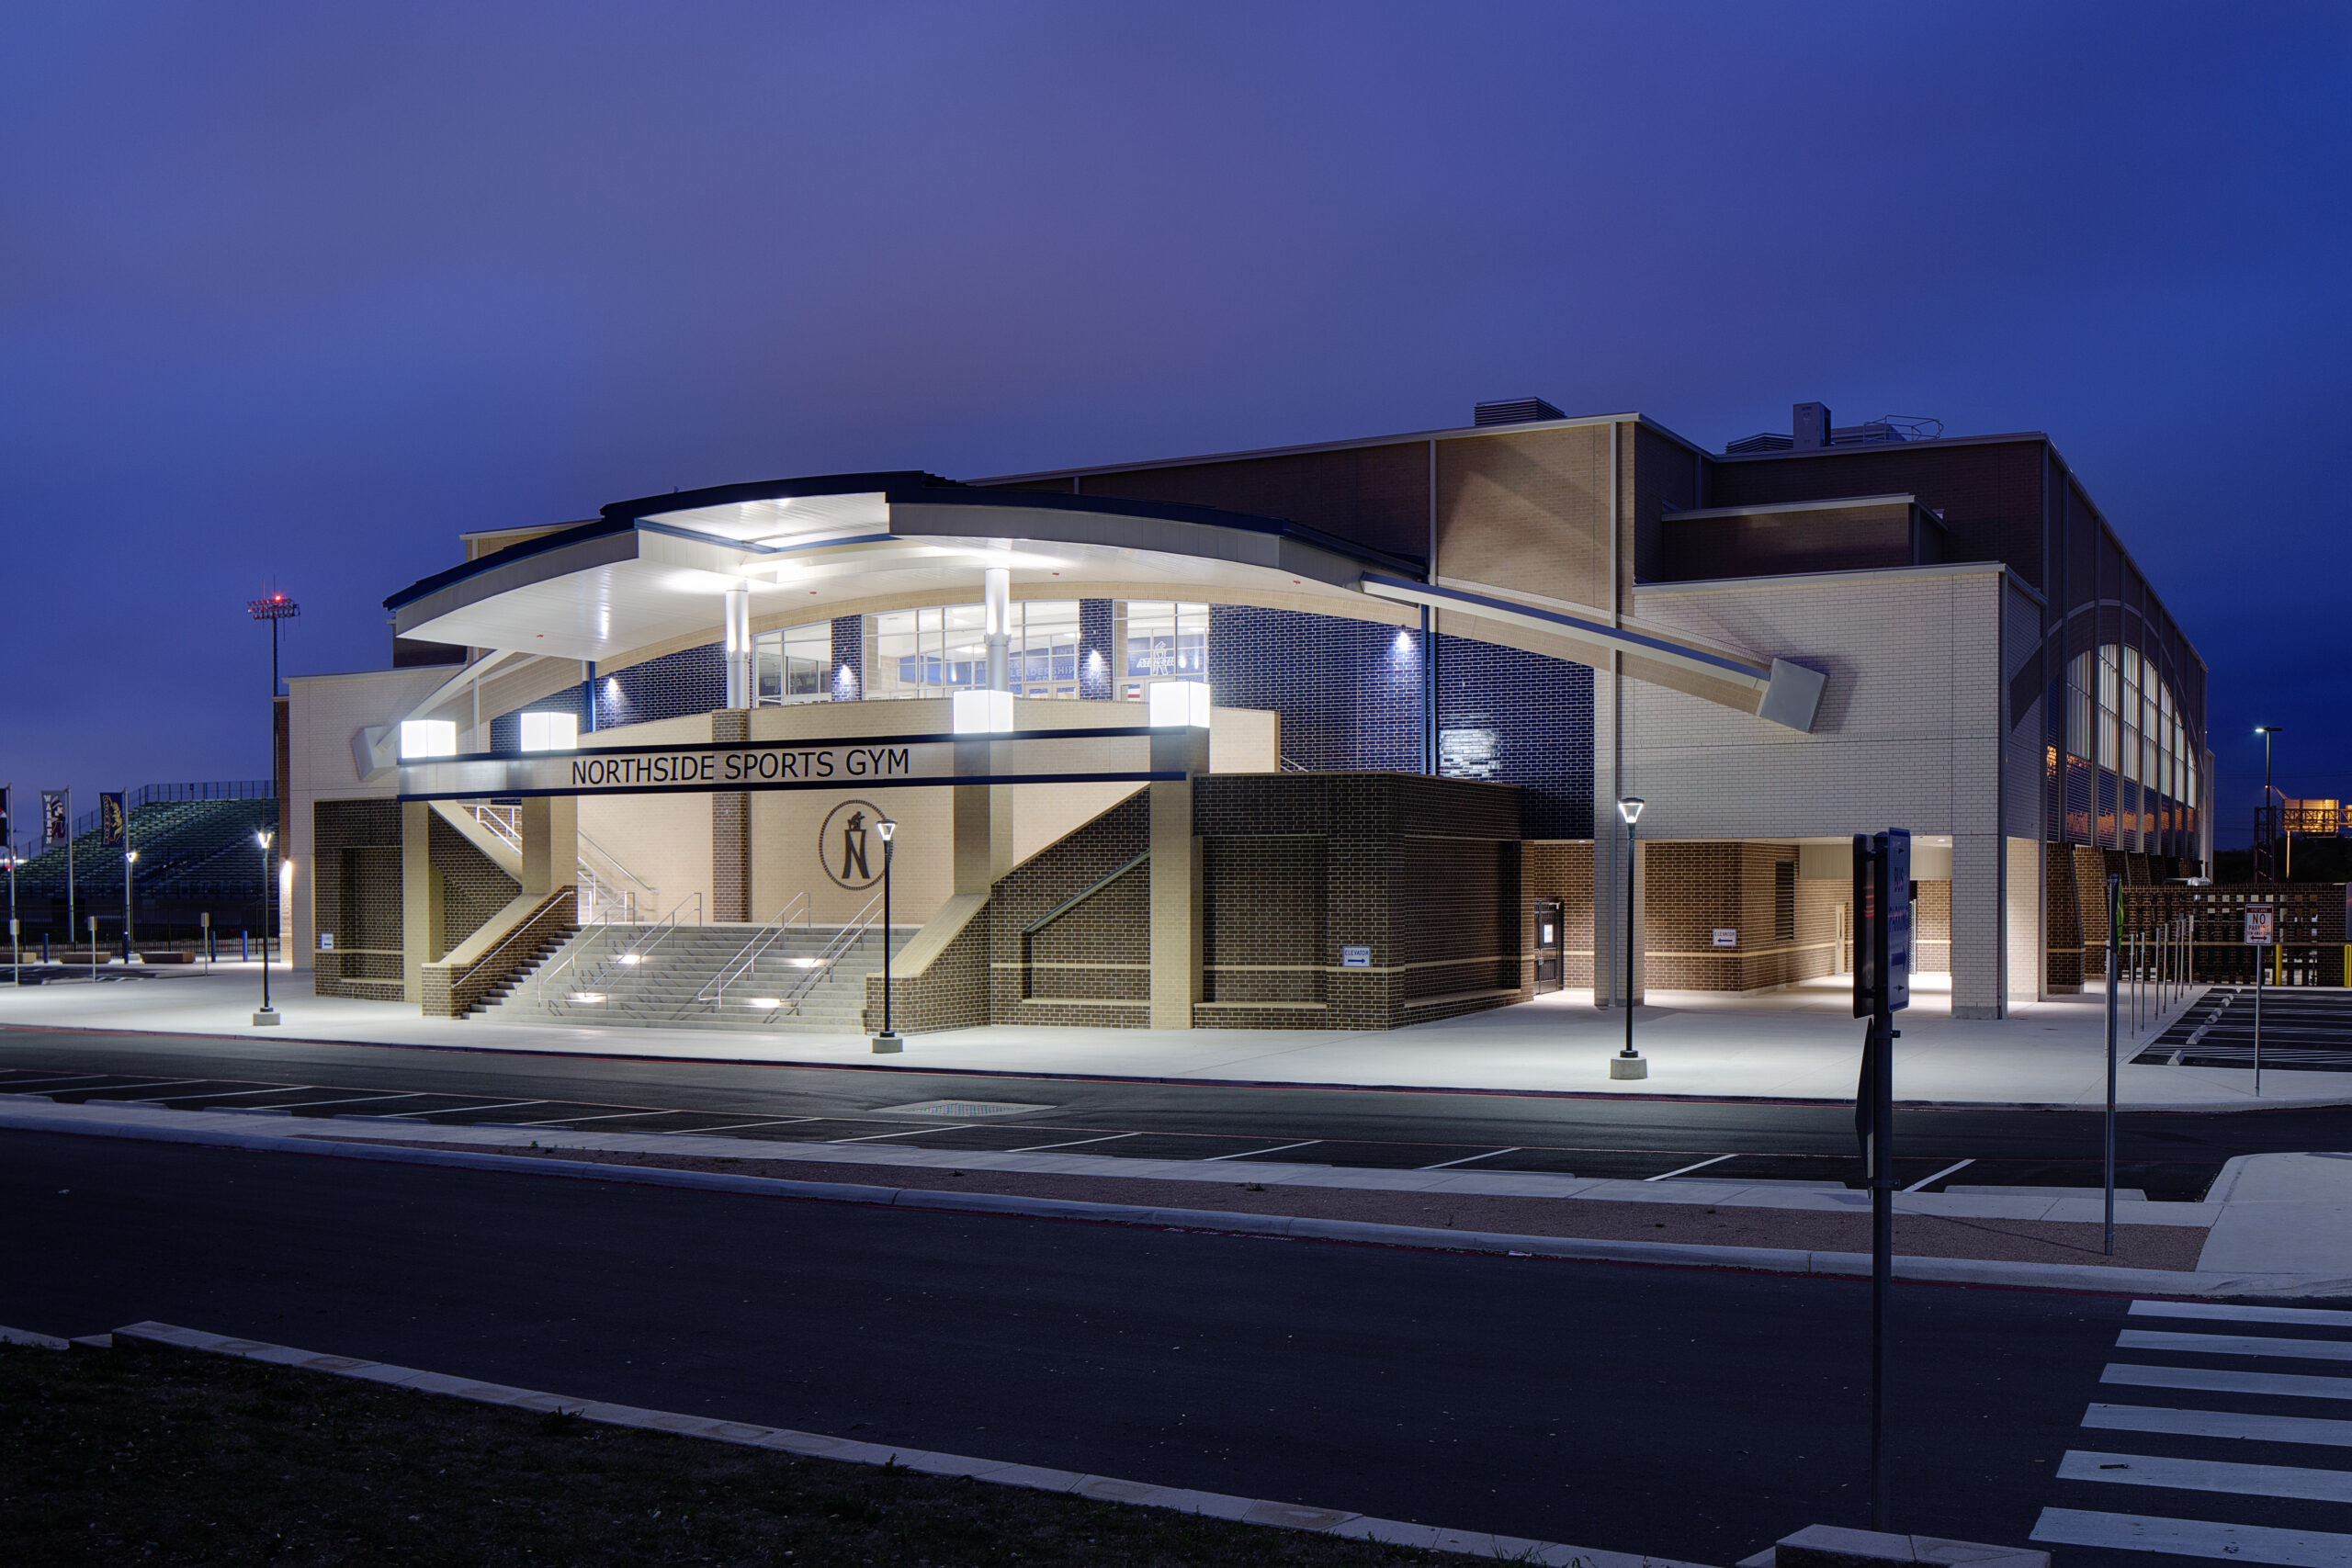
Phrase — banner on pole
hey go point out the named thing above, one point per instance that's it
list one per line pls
(7, 841)
(110, 820)
(53, 825)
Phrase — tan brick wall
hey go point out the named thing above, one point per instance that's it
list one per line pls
(1560, 869)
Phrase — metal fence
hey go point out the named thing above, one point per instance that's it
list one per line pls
(2310, 930)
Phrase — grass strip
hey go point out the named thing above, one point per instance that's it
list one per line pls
(154, 1456)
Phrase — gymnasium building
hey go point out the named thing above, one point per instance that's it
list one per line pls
(1326, 737)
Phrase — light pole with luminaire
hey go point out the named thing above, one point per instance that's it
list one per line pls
(267, 1015)
(2266, 850)
(887, 1041)
(1628, 1064)
(130, 858)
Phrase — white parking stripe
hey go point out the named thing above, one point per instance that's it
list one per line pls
(454, 1110)
(1106, 1138)
(772, 1121)
(1687, 1168)
(2235, 1345)
(1246, 1154)
(233, 1093)
(1466, 1159)
(607, 1116)
(346, 1100)
(2318, 1316)
(1948, 1170)
(2194, 1538)
(2209, 1475)
(2220, 1423)
(2218, 1379)
(869, 1138)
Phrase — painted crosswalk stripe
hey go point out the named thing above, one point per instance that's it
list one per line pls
(2220, 1423)
(2320, 1316)
(2209, 1475)
(2194, 1538)
(2234, 1344)
(2221, 1380)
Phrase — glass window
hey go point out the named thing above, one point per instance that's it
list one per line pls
(1167, 638)
(792, 663)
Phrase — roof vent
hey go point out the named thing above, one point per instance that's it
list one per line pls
(1516, 411)
(1768, 442)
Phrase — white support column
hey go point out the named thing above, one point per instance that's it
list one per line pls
(741, 665)
(996, 612)
(1979, 926)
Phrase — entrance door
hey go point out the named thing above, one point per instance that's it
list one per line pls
(1551, 945)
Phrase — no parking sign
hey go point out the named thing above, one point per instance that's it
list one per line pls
(2261, 924)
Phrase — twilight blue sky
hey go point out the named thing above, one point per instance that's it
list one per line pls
(294, 293)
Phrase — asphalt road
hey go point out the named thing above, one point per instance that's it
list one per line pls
(2170, 1156)
(1689, 1413)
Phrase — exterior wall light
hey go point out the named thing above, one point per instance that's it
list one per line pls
(1179, 705)
(428, 737)
(550, 732)
(981, 713)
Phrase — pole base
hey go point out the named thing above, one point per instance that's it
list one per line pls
(1629, 1067)
(888, 1044)
(264, 1017)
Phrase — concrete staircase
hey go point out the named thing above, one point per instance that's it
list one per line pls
(647, 977)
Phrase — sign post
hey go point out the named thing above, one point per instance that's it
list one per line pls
(1881, 987)
(2114, 958)
(2261, 932)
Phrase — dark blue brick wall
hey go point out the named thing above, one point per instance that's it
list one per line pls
(1540, 712)
(692, 680)
(1350, 696)
(845, 682)
(1095, 663)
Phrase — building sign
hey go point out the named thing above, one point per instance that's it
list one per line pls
(1078, 756)
(326, 942)
(1355, 958)
(2261, 924)
(849, 848)
(1725, 936)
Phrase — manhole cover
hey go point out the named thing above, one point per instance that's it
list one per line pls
(957, 1108)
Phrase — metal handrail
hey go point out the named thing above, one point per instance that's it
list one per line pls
(613, 864)
(647, 938)
(504, 823)
(522, 927)
(714, 990)
(1075, 900)
(850, 934)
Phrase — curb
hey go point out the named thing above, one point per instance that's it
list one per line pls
(2186, 1108)
(1931, 1270)
(1102, 1488)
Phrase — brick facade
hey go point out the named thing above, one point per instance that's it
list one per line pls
(357, 899)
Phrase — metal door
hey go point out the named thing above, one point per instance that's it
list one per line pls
(1551, 945)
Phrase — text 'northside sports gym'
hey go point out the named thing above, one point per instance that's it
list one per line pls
(1328, 737)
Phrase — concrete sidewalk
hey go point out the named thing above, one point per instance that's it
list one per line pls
(1799, 1044)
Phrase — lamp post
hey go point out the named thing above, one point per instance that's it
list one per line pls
(888, 1042)
(1628, 1064)
(129, 859)
(2264, 853)
(267, 1015)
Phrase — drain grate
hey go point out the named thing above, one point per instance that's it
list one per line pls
(955, 1110)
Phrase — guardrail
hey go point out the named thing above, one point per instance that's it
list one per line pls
(713, 994)
(852, 935)
(555, 912)
(593, 987)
